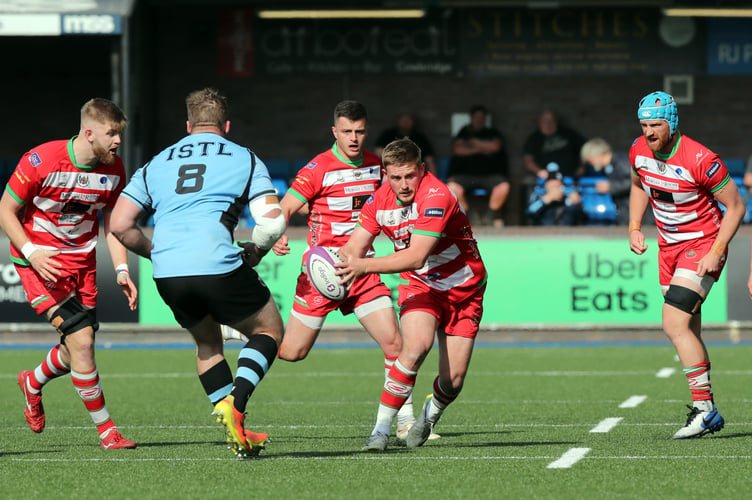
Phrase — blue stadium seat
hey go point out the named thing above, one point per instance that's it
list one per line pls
(598, 208)
(735, 166)
(281, 186)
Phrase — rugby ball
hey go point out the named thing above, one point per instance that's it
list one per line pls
(320, 269)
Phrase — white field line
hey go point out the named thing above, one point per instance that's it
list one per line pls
(633, 401)
(665, 372)
(606, 425)
(568, 459)
(379, 457)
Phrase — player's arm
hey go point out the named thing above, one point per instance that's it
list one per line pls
(271, 223)
(638, 204)
(119, 256)
(289, 205)
(40, 260)
(124, 226)
(411, 258)
(731, 198)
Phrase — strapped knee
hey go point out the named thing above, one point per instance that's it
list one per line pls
(71, 317)
(683, 299)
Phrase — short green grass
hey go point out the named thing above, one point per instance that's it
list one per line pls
(522, 408)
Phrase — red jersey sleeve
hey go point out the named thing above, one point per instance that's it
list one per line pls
(712, 173)
(307, 183)
(434, 212)
(367, 218)
(24, 183)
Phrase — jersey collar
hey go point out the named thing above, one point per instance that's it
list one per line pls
(345, 160)
(73, 157)
(664, 156)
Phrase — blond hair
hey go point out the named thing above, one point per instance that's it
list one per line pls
(594, 147)
(401, 151)
(103, 111)
(207, 108)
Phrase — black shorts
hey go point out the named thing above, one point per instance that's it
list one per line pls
(227, 298)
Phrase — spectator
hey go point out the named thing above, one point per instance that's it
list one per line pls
(748, 175)
(614, 172)
(479, 160)
(553, 203)
(407, 127)
(553, 142)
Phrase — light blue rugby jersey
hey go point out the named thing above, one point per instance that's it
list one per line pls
(196, 189)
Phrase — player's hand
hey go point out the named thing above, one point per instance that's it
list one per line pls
(43, 263)
(351, 268)
(129, 289)
(637, 242)
(280, 247)
(252, 254)
(710, 263)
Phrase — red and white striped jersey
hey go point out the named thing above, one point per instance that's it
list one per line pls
(62, 199)
(454, 269)
(681, 186)
(336, 190)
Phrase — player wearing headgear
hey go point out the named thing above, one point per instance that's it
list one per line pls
(684, 182)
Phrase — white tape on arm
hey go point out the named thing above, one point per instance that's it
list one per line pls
(28, 249)
(268, 229)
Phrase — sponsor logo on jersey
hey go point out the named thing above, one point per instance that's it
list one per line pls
(370, 200)
(34, 159)
(654, 181)
(679, 171)
(670, 229)
(83, 180)
(311, 165)
(21, 178)
(713, 169)
(360, 200)
(361, 188)
(434, 212)
(661, 195)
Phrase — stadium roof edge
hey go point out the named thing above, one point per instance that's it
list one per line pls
(110, 7)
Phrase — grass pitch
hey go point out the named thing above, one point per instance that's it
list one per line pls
(531, 422)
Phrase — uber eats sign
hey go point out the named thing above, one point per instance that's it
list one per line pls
(530, 281)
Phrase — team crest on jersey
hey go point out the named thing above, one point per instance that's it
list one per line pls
(662, 168)
(690, 253)
(713, 169)
(34, 159)
(83, 180)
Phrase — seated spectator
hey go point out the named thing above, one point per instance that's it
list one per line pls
(551, 142)
(479, 160)
(554, 203)
(614, 173)
(407, 127)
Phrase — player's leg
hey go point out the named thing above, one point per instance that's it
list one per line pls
(380, 321)
(56, 363)
(496, 201)
(300, 335)
(76, 326)
(682, 322)
(456, 338)
(418, 329)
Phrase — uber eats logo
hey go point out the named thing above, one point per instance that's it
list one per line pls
(603, 284)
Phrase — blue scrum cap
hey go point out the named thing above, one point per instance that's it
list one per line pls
(659, 106)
